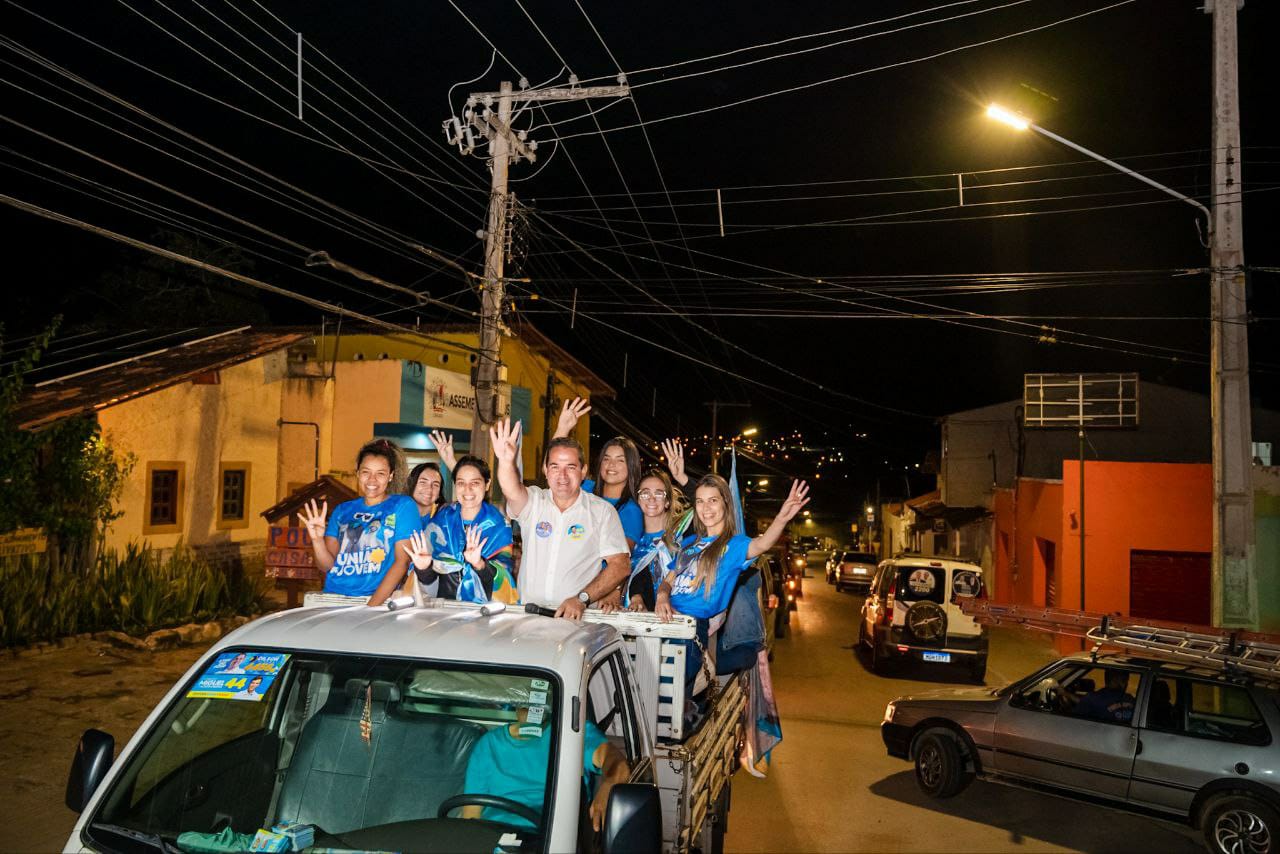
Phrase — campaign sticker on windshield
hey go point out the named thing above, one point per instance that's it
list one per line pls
(537, 698)
(539, 684)
(239, 676)
(536, 714)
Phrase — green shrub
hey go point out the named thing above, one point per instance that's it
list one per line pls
(135, 591)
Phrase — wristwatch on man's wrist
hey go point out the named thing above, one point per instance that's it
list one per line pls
(584, 597)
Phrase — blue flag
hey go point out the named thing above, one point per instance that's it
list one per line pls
(733, 490)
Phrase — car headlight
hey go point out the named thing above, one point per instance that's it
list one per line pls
(889, 711)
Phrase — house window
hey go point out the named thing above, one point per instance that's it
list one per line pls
(233, 495)
(940, 543)
(165, 485)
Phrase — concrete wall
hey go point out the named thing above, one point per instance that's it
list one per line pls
(1266, 508)
(199, 427)
(364, 393)
(525, 369)
(1174, 427)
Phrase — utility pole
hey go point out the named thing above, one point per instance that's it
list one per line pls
(1235, 583)
(489, 113)
(715, 439)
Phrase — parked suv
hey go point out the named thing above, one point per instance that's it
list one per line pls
(1178, 740)
(855, 571)
(912, 613)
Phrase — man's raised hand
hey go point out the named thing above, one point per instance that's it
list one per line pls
(505, 438)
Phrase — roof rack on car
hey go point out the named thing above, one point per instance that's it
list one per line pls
(1229, 652)
(1232, 652)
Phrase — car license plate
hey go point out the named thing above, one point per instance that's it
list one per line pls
(944, 657)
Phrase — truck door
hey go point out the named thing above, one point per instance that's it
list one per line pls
(612, 705)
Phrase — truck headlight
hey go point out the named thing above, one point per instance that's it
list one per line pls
(888, 712)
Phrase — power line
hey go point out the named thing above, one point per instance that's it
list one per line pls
(865, 71)
(230, 274)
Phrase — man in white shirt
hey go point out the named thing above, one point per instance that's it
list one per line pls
(565, 532)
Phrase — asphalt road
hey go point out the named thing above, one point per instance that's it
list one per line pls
(832, 787)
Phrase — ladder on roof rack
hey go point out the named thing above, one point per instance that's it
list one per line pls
(1227, 652)
(1230, 651)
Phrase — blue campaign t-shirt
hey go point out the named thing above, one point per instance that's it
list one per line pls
(516, 768)
(628, 512)
(367, 537)
(696, 603)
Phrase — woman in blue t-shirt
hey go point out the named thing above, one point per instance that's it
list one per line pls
(617, 471)
(707, 568)
(361, 548)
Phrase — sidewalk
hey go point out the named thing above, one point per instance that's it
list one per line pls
(47, 700)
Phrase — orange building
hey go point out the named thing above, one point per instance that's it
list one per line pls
(1147, 538)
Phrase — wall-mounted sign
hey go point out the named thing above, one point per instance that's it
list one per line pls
(450, 401)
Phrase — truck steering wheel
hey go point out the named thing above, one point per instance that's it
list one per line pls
(495, 801)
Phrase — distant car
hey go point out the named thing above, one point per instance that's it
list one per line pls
(816, 559)
(1182, 741)
(912, 613)
(855, 571)
(796, 565)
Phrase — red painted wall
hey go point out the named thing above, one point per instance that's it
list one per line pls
(1162, 506)
(1039, 514)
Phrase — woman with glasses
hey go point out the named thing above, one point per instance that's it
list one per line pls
(655, 550)
(361, 548)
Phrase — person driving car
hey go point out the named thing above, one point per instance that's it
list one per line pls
(1111, 702)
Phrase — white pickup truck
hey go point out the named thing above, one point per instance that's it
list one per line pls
(358, 723)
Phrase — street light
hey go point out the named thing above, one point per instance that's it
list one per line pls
(1017, 121)
(1233, 520)
(750, 431)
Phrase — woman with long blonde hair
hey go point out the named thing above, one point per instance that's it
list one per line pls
(707, 568)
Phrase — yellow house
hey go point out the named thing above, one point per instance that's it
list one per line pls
(222, 425)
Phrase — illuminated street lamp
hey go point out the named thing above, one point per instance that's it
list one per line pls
(750, 431)
(1017, 121)
(1233, 532)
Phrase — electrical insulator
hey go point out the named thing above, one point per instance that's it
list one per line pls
(471, 140)
(522, 135)
(573, 80)
(524, 83)
(533, 146)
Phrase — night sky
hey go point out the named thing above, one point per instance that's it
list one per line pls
(851, 299)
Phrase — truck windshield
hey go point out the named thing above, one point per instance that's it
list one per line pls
(373, 754)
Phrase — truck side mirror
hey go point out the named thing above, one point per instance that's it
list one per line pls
(94, 755)
(633, 820)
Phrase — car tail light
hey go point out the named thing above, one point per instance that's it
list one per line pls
(886, 616)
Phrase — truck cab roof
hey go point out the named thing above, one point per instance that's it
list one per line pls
(443, 632)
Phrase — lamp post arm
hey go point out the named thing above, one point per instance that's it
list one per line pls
(1126, 170)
